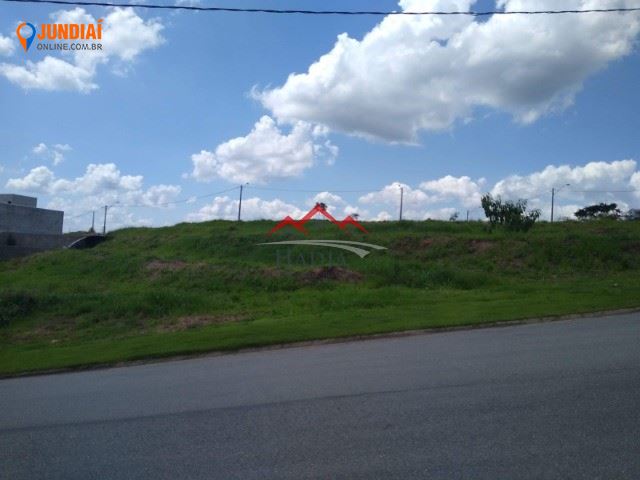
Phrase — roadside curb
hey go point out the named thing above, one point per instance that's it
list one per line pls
(327, 341)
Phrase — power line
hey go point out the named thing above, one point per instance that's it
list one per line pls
(175, 202)
(325, 12)
(604, 191)
(293, 190)
(78, 215)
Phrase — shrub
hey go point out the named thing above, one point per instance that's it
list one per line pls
(511, 215)
(600, 210)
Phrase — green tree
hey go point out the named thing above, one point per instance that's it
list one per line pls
(511, 215)
(600, 210)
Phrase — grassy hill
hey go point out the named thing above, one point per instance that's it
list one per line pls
(209, 286)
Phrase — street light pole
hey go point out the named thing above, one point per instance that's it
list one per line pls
(401, 201)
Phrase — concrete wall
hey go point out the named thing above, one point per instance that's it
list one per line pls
(14, 245)
(20, 200)
(19, 219)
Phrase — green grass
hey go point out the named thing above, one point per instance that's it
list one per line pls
(203, 287)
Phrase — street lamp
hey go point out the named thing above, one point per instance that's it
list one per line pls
(553, 196)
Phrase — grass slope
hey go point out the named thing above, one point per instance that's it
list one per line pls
(209, 286)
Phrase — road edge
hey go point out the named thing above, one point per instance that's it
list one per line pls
(326, 341)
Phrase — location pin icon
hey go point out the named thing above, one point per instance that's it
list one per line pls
(26, 42)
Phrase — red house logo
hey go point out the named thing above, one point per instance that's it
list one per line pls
(318, 209)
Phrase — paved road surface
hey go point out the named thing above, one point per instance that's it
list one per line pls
(552, 400)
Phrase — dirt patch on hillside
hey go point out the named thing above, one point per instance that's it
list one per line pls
(195, 321)
(480, 246)
(155, 268)
(337, 274)
(51, 332)
(165, 266)
(633, 247)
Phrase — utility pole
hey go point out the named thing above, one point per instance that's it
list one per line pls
(553, 196)
(93, 221)
(467, 215)
(401, 201)
(240, 203)
(104, 227)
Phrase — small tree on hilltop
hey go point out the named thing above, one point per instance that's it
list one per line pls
(601, 210)
(511, 215)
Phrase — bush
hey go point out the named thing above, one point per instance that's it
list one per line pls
(511, 215)
(14, 305)
(601, 210)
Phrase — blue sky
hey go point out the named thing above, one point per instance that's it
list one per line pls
(187, 89)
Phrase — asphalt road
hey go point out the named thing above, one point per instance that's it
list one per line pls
(550, 400)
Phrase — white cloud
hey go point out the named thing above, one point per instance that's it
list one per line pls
(383, 216)
(40, 149)
(125, 37)
(100, 184)
(56, 152)
(634, 182)
(439, 198)
(255, 208)
(591, 183)
(6, 46)
(159, 195)
(413, 73)
(264, 154)
(615, 175)
(327, 198)
(442, 197)
(463, 189)
(390, 195)
(440, 213)
(51, 73)
(38, 180)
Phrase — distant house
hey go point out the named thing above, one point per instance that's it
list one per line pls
(27, 229)
(20, 214)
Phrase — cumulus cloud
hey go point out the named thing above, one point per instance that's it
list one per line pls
(96, 179)
(38, 180)
(467, 191)
(266, 153)
(226, 208)
(327, 198)
(591, 183)
(598, 176)
(6, 46)
(55, 152)
(594, 182)
(414, 73)
(51, 73)
(100, 184)
(440, 198)
(634, 182)
(390, 195)
(125, 37)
